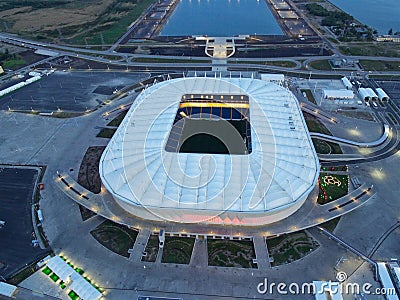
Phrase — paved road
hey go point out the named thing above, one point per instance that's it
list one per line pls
(126, 57)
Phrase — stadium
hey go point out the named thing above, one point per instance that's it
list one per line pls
(229, 151)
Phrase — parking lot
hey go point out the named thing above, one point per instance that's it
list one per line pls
(16, 188)
(69, 91)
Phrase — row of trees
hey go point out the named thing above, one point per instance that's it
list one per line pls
(331, 18)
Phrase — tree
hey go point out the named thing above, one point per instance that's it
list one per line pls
(390, 32)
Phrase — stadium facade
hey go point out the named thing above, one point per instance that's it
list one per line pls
(211, 150)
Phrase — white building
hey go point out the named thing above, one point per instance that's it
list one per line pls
(388, 38)
(275, 78)
(382, 94)
(338, 94)
(386, 281)
(7, 290)
(1, 70)
(266, 185)
(347, 84)
(364, 94)
(73, 280)
(372, 94)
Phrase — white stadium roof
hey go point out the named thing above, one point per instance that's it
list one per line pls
(279, 173)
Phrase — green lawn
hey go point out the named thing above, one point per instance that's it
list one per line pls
(73, 295)
(177, 250)
(309, 95)
(380, 65)
(228, 253)
(106, 133)
(321, 147)
(332, 187)
(54, 277)
(315, 125)
(118, 119)
(115, 30)
(280, 63)
(115, 237)
(46, 271)
(290, 247)
(369, 49)
(13, 64)
(171, 60)
(331, 225)
(321, 65)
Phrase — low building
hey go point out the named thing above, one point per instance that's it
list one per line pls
(364, 94)
(73, 280)
(7, 290)
(382, 94)
(275, 78)
(388, 38)
(386, 281)
(338, 94)
(347, 84)
(1, 70)
(372, 94)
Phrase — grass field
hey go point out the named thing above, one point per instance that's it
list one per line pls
(118, 119)
(71, 21)
(106, 133)
(309, 95)
(177, 250)
(321, 147)
(331, 225)
(227, 253)
(281, 63)
(369, 49)
(13, 64)
(316, 126)
(290, 247)
(115, 237)
(174, 61)
(321, 65)
(380, 65)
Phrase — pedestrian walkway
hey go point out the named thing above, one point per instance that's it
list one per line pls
(159, 255)
(308, 215)
(260, 247)
(139, 247)
(199, 255)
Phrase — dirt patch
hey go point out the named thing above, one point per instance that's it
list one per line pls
(89, 176)
(86, 214)
(31, 19)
